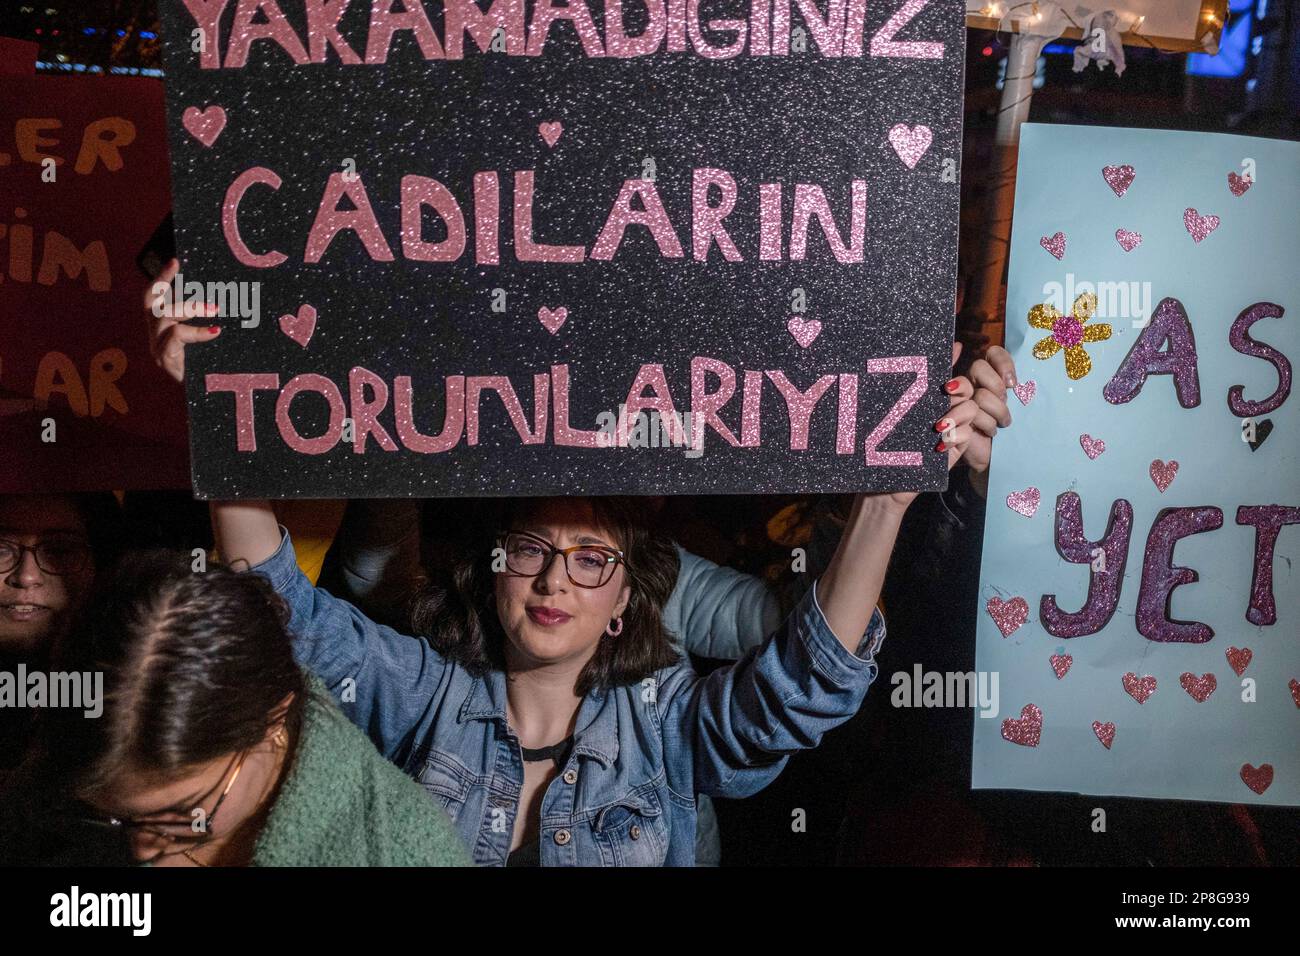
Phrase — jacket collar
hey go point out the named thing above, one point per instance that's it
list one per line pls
(596, 728)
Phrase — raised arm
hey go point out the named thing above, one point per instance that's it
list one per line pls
(742, 721)
(385, 682)
(246, 532)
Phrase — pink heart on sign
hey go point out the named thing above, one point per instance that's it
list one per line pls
(1163, 474)
(1008, 615)
(1105, 732)
(552, 319)
(1139, 688)
(1199, 687)
(551, 132)
(910, 144)
(1026, 391)
(300, 326)
(1061, 664)
(1055, 244)
(1239, 659)
(1118, 178)
(1257, 778)
(1027, 729)
(1092, 447)
(1025, 502)
(1238, 184)
(1128, 241)
(804, 330)
(1199, 226)
(204, 125)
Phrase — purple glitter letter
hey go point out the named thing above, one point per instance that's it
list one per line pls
(1240, 339)
(1169, 321)
(1160, 576)
(1103, 586)
(1268, 521)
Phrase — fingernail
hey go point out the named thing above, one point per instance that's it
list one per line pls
(941, 447)
(1011, 380)
(214, 330)
(942, 425)
(951, 386)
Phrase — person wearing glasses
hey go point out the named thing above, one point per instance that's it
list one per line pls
(50, 549)
(214, 748)
(544, 706)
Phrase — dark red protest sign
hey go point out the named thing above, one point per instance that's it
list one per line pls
(601, 247)
(83, 186)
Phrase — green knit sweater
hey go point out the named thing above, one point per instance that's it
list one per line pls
(343, 804)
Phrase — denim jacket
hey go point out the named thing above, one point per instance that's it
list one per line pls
(641, 753)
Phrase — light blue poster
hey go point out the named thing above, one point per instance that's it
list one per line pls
(1138, 594)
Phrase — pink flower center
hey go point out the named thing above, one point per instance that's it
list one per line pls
(1067, 330)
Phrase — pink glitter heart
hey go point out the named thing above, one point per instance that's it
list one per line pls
(1118, 178)
(1199, 226)
(910, 144)
(1295, 690)
(1128, 241)
(300, 326)
(550, 132)
(1163, 474)
(1257, 778)
(1055, 244)
(1092, 447)
(1026, 391)
(1239, 659)
(1027, 730)
(1008, 615)
(1238, 184)
(804, 330)
(204, 125)
(552, 319)
(1105, 732)
(1025, 502)
(1199, 687)
(1061, 664)
(1139, 688)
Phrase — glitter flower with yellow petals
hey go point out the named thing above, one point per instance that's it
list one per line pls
(1069, 332)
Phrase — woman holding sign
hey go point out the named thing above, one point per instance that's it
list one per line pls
(545, 709)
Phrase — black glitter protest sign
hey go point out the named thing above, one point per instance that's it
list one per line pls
(608, 247)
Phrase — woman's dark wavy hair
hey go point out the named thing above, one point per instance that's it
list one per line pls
(457, 613)
(195, 664)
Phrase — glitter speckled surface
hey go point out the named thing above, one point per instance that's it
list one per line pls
(742, 132)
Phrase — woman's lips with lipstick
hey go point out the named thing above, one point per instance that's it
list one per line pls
(547, 616)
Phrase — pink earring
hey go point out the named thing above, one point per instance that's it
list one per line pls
(615, 628)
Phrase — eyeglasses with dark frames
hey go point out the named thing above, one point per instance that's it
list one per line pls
(58, 556)
(587, 565)
(176, 831)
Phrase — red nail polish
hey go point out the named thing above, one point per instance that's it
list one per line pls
(951, 386)
(214, 330)
(942, 425)
(941, 447)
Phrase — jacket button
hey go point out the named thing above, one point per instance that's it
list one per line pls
(562, 837)
(570, 776)
(635, 832)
